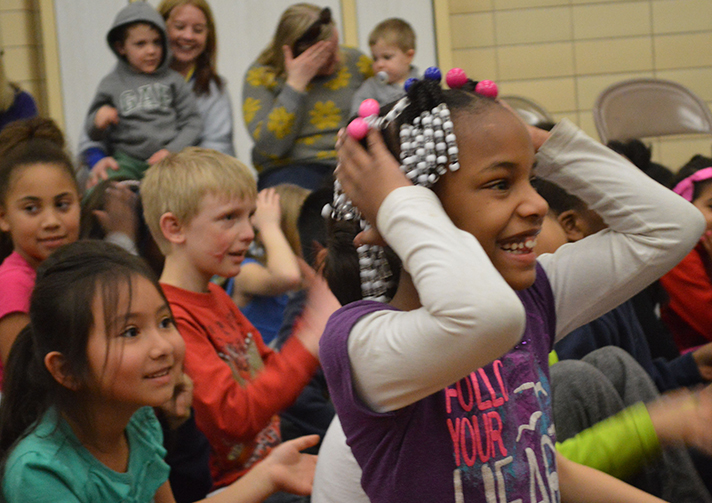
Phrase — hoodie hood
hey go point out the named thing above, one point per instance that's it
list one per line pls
(139, 12)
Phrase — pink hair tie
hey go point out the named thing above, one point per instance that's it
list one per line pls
(686, 188)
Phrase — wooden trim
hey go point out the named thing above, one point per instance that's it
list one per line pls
(441, 13)
(349, 23)
(50, 51)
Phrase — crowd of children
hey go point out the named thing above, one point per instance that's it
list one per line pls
(173, 333)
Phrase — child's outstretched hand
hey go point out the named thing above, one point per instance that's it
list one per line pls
(320, 305)
(684, 417)
(368, 176)
(268, 211)
(288, 469)
(106, 116)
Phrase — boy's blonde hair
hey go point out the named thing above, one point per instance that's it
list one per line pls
(393, 31)
(179, 183)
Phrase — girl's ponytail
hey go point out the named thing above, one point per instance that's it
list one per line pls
(26, 385)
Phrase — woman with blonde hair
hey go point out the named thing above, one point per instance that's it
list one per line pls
(297, 95)
(193, 42)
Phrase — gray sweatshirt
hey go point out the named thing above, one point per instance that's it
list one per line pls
(156, 110)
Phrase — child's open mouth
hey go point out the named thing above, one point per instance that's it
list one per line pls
(520, 246)
(160, 373)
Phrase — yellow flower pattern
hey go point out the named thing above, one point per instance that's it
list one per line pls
(341, 79)
(250, 108)
(310, 140)
(280, 122)
(365, 66)
(326, 154)
(258, 131)
(325, 115)
(261, 76)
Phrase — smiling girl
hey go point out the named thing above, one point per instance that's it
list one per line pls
(444, 394)
(102, 349)
(39, 211)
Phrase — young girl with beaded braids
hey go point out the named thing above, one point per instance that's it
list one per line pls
(443, 394)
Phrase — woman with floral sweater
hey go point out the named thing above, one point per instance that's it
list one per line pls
(297, 96)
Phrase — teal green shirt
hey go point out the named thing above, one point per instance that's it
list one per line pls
(51, 465)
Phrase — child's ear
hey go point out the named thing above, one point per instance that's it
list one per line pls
(410, 54)
(570, 220)
(4, 224)
(172, 228)
(57, 366)
(119, 47)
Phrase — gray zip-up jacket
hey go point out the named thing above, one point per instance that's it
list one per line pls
(156, 110)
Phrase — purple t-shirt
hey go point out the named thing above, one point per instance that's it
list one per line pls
(488, 437)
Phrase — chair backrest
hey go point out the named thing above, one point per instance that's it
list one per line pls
(641, 108)
(532, 113)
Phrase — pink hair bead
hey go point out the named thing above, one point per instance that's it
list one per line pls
(368, 107)
(486, 88)
(456, 78)
(357, 129)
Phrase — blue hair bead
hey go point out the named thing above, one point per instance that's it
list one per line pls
(433, 73)
(409, 83)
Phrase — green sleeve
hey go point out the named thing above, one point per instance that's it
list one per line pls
(619, 445)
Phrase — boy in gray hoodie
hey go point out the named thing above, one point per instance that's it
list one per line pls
(143, 109)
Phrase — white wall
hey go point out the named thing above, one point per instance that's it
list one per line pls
(244, 28)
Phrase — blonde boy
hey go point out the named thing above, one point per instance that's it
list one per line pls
(198, 204)
(392, 44)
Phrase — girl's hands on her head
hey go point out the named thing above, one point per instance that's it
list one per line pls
(302, 69)
(684, 417)
(100, 171)
(268, 211)
(288, 469)
(538, 135)
(368, 176)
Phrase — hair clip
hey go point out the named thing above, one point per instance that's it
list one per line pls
(408, 83)
(487, 88)
(456, 78)
(367, 117)
(368, 108)
(686, 187)
(432, 73)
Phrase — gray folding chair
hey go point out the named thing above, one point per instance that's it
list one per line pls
(642, 108)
